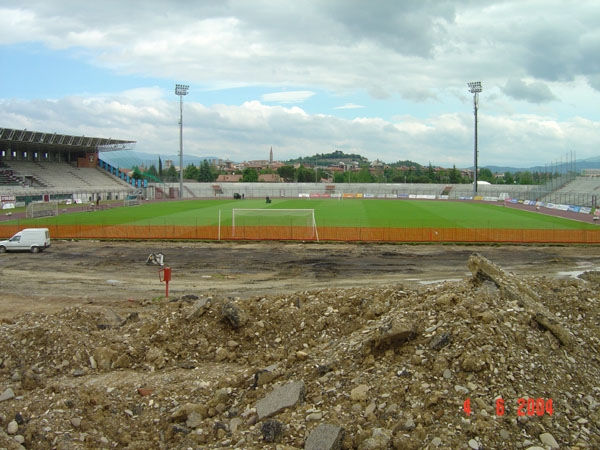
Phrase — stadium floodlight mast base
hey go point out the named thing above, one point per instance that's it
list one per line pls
(475, 89)
(181, 90)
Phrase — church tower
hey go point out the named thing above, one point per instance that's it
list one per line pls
(271, 156)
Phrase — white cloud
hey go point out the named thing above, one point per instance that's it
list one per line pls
(16, 25)
(287, 96)
(403, 66)
(349, 106)
(534, 92)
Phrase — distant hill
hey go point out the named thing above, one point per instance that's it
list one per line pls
(337, 156)
(577, 166)
(131, 158)
(326, 159)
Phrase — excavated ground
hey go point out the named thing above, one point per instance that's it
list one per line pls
(391, 342)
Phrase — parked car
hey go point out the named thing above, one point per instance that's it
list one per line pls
(33, 240)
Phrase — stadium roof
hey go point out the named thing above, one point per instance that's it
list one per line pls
(38, 141)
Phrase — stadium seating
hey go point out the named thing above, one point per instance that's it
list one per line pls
(28, 178)
(581, 185)
(7, 177)
(581, 191)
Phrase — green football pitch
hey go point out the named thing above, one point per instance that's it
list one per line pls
(365, 213)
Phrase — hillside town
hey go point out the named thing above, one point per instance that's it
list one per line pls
(336, 167)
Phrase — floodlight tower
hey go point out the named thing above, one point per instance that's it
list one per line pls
(475, 89)
(181, 90)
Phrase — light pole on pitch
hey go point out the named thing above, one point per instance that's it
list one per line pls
(181, 90)
(475, 89)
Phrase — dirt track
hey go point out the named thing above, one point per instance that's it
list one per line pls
(115, 274)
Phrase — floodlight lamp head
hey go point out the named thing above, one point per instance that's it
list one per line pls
(474, 86)
(181, 89)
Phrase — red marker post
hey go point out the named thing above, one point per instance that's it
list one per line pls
(164, 274)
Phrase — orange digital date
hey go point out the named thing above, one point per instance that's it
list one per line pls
(525, 407)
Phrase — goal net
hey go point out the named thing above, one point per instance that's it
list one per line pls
(41, 209)
(274, 224)
(132, 200)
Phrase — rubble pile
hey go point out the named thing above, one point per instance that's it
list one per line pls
(494, 361)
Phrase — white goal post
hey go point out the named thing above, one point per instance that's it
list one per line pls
(281, 224)
(133, 199)
(132, 202)
(41, 209)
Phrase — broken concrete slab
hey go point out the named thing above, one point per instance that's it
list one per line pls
(198, 308)
(280, 398)
(513, 289)
(325, 437)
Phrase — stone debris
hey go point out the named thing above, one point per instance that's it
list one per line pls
(390, 336)
(491, 361)
(325, 436)
(473, 444)
(272, 430)
(13, 427)
(548, 440)
(7, 395)
(282, 397)
(266, 375)
(234, 315)
(199, 307)
(440, 341)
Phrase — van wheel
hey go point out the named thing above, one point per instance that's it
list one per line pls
(35, 249)
(2, 249)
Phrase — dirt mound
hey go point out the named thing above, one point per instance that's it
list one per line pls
(493, 361)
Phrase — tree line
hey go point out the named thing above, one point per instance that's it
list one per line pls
(205, 172)
(400, 172)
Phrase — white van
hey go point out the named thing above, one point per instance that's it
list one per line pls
(30, 239)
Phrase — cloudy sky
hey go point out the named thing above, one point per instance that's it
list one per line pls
(383, 78)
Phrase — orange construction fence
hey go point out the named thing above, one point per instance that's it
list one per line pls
(345, 234)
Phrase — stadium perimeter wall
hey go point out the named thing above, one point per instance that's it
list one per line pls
(375, 190)
(559, 191)
(330, 234)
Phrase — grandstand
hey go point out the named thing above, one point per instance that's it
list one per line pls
(60, 178)
(581, 191)
(41, 166)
